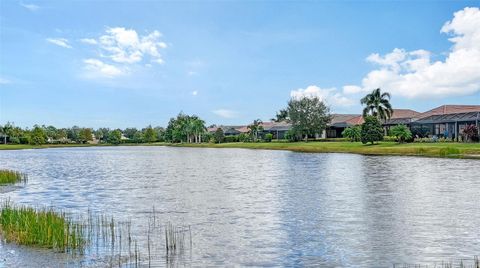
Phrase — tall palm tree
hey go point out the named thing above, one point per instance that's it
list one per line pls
(377, 104)
(255, 128)
(198, 128)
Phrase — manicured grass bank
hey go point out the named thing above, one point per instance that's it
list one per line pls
(453, 150)
(28, 146)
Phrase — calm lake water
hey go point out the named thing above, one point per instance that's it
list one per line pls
(263, 208)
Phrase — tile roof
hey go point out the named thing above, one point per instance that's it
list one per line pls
(450, 109)
(404, 113)
(358, 120)
(342, 118)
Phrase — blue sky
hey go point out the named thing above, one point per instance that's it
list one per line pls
(134, 63)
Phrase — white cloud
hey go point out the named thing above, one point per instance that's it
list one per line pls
(4, 81)
(351, 89)
(31, 7)
(194, 93)
(412, 74)
(59, 42)
(226, 113)
(328, 95)
(127, 46)
(120, 51)
(89, 41)
(97, 68)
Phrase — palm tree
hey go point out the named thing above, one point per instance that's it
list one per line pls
(198, 128)
(255, 128)
(377, 104)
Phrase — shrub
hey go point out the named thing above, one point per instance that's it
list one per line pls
(470, 132)
(233, 138)
(268, 137)
(352, 133)
(401, 132)
(372, 130)
(243, 137)
(290, 135)
(389, 138)
(219, 136)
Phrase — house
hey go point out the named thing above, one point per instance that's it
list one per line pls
(277, 129)
(340, 122)
(444, 121)
(447, 121)
(227, 130)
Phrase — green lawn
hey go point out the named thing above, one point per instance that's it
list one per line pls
(466, 150)
(454, 150)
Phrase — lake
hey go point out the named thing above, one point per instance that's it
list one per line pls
(261, 207)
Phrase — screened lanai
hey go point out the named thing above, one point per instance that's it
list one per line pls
(448, 126)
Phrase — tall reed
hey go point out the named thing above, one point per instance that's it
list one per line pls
(10, 176)
(40, 227)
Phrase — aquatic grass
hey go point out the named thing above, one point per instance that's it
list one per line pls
(175, 237)
(96, 237)
(10, 177)
(462, 263)
(40, 227)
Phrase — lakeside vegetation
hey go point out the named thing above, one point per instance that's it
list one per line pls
(111, 242)
(10, 177)
(40, 227)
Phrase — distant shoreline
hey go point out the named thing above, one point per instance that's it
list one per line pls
(444, 150)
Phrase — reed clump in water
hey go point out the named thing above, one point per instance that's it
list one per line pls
(10, 176)
(463, 263)
(40, 227)
(175, 238)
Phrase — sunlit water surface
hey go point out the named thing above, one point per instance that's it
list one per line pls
(263, 208)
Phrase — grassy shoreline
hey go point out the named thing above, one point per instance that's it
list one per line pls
(450, 150)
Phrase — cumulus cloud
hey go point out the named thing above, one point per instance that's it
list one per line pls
(31, 7)
(59, 42)
(98, 68)
(127, 46)
(225, 113)
(118, 48)
(413, 74)
(329, 95)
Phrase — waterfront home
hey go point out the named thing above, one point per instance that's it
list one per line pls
(227, 130)
(446, 121)
(277, 129)
(339, 123)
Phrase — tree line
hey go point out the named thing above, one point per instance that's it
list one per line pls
(41, 134)
(308, 116)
